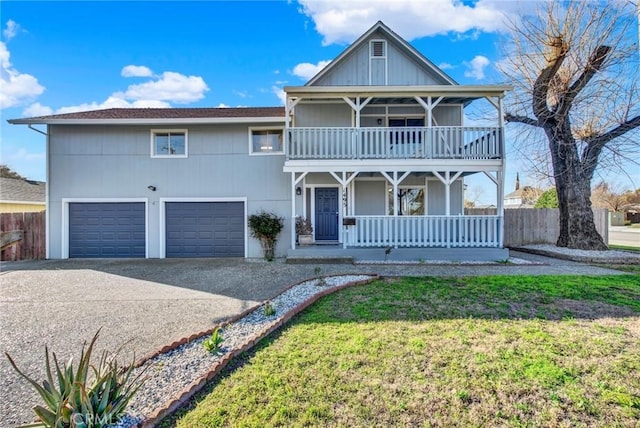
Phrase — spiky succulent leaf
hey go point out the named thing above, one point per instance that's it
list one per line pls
(47, 417)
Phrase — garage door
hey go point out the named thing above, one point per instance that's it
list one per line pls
(205, 229)
(107, 229)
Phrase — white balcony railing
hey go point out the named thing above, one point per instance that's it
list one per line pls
(425, 231)
(440, 142)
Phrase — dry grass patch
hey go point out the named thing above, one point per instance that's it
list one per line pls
(508, 351)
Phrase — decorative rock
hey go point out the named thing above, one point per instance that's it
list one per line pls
(187, 366)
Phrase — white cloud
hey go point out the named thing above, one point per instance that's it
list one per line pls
(475, 68)
(223, 105)
(307, 70)
(116, 100)
(11, 30)
(340, 21)
(158, 92)
(171, 86)
(279, 92)
(446, 66)
(241, 94)
(136, 71)
(15, 87)
(22, 154)
(37, 109)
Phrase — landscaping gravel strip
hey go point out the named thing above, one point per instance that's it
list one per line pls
(186, 365)
(586, 256)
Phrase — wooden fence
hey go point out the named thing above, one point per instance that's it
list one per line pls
(525, 226)
(32, 245)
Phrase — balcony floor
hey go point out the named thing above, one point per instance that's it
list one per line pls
(337, 254)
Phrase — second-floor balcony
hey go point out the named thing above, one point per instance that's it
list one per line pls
(438, 142)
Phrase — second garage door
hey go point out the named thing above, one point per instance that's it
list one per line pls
(205, 229)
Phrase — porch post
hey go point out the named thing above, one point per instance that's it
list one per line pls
(501, 124)
(500, 197)
(293, 210)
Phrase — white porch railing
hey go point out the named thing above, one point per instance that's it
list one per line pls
(425, 231)
(440, 142)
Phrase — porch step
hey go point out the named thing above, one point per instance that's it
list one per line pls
(320, 260)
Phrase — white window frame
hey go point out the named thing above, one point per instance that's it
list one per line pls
(265, 128)
(424, 186)
(170, 131)
(383, 57)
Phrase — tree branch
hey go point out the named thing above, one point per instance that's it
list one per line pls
(520, 119)
(616, 132)
(594, 64)
(596, 144)
(559, 50)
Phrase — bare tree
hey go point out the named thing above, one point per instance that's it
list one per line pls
(605, 195)
(574, 68)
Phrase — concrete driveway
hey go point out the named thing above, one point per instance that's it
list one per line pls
(146, 304)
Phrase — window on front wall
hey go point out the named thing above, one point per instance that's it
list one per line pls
(410, 201)
(169, 143)
(265, 141)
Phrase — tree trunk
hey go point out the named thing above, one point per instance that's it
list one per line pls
(573, 184)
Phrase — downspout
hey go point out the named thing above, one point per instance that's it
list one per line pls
(46, 190)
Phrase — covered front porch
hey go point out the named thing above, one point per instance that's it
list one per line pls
(396, 209)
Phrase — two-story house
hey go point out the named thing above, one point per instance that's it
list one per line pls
(373, 150)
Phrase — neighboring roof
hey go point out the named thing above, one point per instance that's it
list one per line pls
(524, 190)
(161, 115)
(514, 194)
(18, 190)
(400, 42)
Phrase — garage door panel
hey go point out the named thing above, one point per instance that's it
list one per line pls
(204, 229)
(110, 229)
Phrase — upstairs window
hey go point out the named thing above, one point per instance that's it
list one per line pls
(265, 141)
(167, 143)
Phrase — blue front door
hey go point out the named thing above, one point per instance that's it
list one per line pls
(326, 214)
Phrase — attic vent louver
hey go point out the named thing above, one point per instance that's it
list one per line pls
(377, 48)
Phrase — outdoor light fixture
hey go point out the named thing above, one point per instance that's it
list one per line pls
(152, 188)
(298, 191)
(379, 121)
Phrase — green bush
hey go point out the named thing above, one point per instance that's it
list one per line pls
(548, 199)
(266, 227)
(81, 400)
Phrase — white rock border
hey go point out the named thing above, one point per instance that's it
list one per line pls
(185, 365)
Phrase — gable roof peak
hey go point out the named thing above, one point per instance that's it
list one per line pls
(394, 38)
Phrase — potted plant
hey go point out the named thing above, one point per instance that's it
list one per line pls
(304, 230)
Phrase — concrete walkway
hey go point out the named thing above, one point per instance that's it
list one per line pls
(145, 304)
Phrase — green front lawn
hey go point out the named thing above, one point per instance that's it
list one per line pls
(487, 351)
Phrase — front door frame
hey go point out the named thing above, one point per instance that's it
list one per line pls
(312, 216)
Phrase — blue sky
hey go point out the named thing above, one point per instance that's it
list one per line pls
(69, 56)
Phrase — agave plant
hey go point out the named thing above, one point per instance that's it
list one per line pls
(80, 400)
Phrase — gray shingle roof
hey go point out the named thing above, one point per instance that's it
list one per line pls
(171, 113)
(13, 189)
